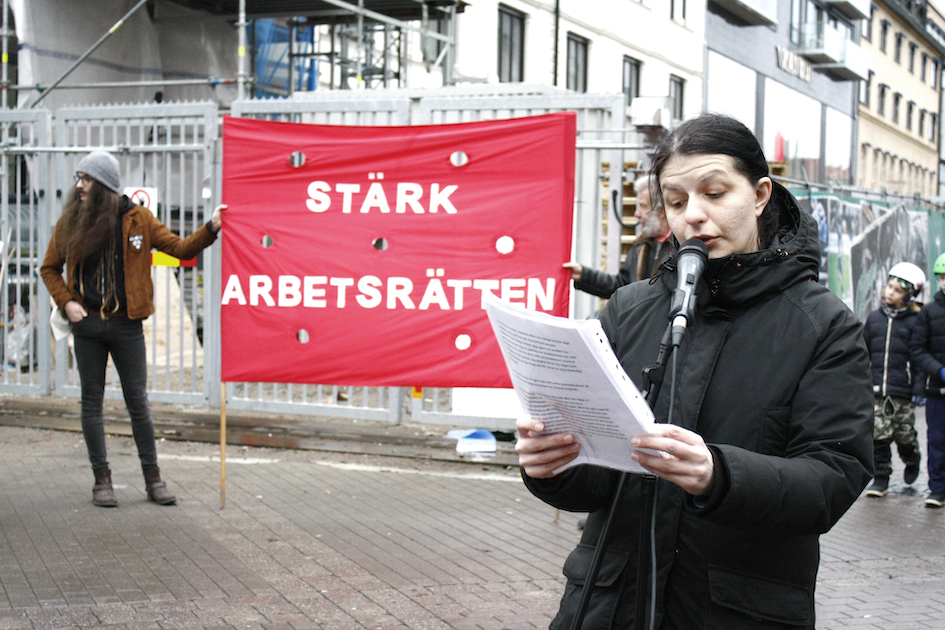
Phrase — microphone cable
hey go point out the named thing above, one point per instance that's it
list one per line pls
(651, 624)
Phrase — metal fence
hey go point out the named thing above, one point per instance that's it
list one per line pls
(600, 124)
(24, 230)
(173, 152)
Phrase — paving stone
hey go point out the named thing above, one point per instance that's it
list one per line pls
(348, 541)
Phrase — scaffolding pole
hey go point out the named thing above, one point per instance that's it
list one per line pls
(5, 59)
(85, 56)
(241, 55)
(243, 78)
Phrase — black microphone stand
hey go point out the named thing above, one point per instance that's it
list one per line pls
(654, 375)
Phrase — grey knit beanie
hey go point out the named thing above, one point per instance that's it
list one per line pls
(103, 167)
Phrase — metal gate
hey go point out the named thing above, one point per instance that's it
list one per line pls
(600, 125)
(166, 156)
(172, 150)
(25, 201)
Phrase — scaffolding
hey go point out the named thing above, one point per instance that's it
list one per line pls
(367, 45)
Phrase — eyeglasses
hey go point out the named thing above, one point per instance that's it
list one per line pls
(85, 179)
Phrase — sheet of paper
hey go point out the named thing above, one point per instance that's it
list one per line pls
(567, 375)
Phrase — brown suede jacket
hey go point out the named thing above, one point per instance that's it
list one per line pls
(140, 232)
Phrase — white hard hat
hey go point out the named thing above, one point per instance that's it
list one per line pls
(911, 274)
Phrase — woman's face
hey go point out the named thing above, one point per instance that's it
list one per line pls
(707, 198)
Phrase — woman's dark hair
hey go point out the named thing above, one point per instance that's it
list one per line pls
(716, 134)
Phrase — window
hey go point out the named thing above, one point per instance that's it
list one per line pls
(677, 11)
(897, 54)
(866, 26)
(897, 98)
(925, 67)
(814, 13)
(933, 126)
(631, 78)
(883, 35)
(865, 87)
(922, 114)
(577, 63)
(910, 109)
(511, 45)
(933, 80)
(912, 48)
(881, 100)
(797, 18)
(676, 87)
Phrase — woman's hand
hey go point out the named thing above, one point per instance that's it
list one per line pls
(541, 455)
(75, 311)
(689, 464)
(217, 219)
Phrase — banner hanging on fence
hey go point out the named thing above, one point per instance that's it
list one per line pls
(360, 255)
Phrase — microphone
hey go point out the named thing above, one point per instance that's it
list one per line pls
(690, 263)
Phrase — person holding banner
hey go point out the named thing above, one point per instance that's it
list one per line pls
(104, 243)
(652, 247)
(766, 412)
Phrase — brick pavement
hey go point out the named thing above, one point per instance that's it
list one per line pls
(339, 541)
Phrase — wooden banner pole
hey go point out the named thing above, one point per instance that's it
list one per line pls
(222, 445)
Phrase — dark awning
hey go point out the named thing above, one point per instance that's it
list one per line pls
(318, 11)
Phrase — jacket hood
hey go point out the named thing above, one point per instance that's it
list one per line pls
(125, 204)
(792, 257)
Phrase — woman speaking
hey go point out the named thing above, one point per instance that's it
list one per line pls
(770, 440)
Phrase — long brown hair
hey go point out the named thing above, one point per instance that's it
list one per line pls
(85, 235)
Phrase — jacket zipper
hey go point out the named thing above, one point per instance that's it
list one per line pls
(889, 323)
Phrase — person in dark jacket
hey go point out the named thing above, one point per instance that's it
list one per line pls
(770, 438)
(888, 335)
(104, 242)
(652, 248)
(928, 353)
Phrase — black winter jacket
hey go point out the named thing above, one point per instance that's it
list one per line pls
(928, 345)
(888, 340)
(774, 375)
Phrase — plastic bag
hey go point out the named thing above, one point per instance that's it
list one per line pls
(17, 339)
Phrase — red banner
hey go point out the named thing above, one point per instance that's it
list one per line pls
(359, 255)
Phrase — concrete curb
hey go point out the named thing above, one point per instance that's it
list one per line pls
(314, 433)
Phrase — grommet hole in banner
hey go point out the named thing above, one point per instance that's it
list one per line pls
(459, 158)
(463, 342)
(297, 159)
(380, 244)
(267, 241)
(302, 336)
(505, 245)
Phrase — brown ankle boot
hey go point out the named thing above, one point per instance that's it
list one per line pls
(103, 495)
(157, 489)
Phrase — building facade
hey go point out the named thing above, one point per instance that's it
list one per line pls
(641, 48)
(790, 71)
(900, 102)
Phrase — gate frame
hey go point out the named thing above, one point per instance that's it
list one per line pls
(208, 112)
(38, 186)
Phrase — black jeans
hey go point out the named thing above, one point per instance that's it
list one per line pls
(121, 337)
